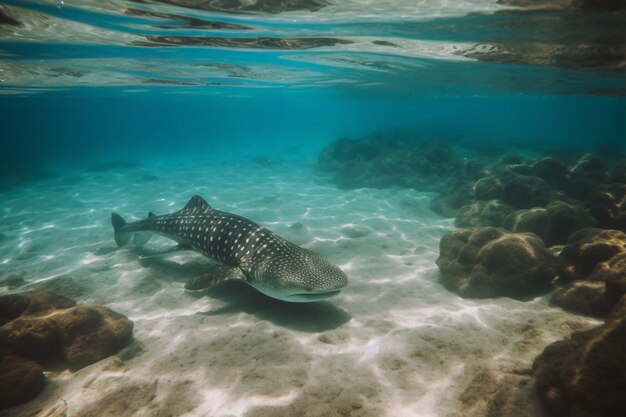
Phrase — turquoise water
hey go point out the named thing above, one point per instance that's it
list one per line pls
(82, 80)
(134, 106)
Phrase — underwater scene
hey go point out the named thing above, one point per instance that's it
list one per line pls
(316, 208)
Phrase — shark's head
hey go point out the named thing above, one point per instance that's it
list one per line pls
(299, 276)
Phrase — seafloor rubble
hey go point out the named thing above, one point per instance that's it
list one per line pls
(44, 331)
(527, 226)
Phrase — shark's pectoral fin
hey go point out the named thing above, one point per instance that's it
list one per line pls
(215, 276)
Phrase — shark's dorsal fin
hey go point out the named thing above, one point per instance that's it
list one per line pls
(215, 276)
(197, 204)
(151, 214)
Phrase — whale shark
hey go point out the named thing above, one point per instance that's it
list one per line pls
(243, 249)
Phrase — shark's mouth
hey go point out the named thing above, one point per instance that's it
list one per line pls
(316, 296)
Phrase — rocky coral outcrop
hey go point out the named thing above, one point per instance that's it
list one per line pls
(45, 329)
(585, 375)
(554, 223)
(613, 274)
(483, 213)
(560, 195)
(395, 158)
(588, 252)
(593, 263)
(490, 262)
(552, 171)
(21, 380)
(589, 167)
(608, 205)
(583, 297)
(526, 191)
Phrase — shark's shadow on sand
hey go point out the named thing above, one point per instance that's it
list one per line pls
(307, 317)
(240, 297)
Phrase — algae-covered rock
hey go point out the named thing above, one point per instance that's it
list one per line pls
(33, 337)
(89, 334)
(525, 191)
(44, 329)
(583, 297)
(49, 328)
(21, 380)
(488, 188)
(12, 306)
(552, 171)
(608, 206)
(587, 249)
(553, 224)
(482, 214)
(589, 167)
(490, 262)
(585, 375)
(613, 274)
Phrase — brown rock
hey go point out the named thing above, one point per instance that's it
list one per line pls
(89, 334)
(552, 171)
(21, 380)
(608, 206)
(490, 262)
(618, 312)
(553, 224)
(483, 213)
(45, 301)
(585, 376)
(613, 273)
(12, 306)
(49, 328)
(526, 191)
(587, 249)
(488, 188)
(583, 297)
(33, 338)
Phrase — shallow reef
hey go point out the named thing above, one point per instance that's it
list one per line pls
(544, 196)
(387, 159)
(528, 227)
(549, 196)
(539, 202)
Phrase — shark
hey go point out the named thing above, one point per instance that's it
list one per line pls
(243, 250)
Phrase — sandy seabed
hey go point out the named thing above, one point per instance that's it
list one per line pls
(394, 343)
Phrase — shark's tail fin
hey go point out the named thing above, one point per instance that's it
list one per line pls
(121, 237)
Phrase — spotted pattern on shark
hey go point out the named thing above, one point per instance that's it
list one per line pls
(254, 254)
